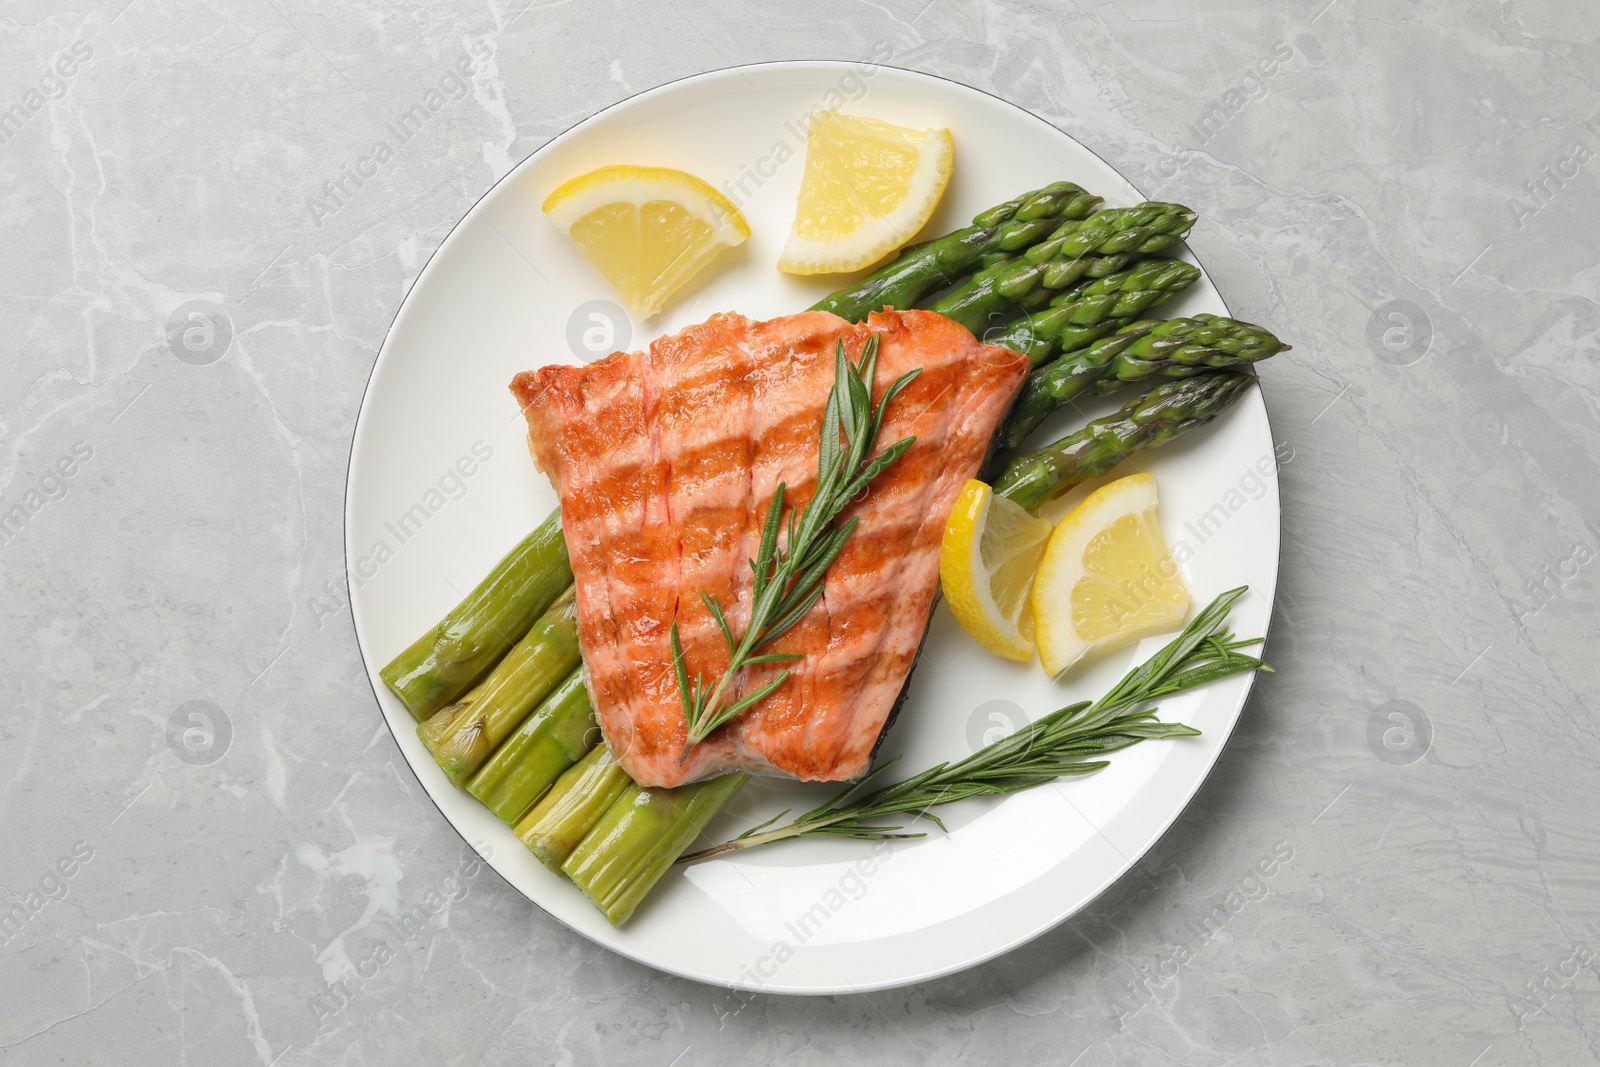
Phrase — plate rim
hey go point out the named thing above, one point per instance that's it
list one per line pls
(489, 860)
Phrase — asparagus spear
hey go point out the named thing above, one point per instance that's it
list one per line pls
(559, 732)
(1146, 421)
(1174, 348)
(442, 663)
(1093, 247)
(462, 736)
(994, 236)
(639, 837)
(1093, 309)
(582, 794)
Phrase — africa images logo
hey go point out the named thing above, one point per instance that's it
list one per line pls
(450, 86)
(52, 85)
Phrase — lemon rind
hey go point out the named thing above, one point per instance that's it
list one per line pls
(596, 189)
(998, 635)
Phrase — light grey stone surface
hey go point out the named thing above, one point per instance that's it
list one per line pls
(1409, 198)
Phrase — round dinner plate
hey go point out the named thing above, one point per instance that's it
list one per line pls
(441, 486)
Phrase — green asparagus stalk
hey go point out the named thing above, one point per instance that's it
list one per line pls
(1174, 348)
(1094, 309)
(1146, 421)
(444, 662)
(463, 735)
(994, 236)
(559, 732)
(1099, 245)
(639, 837)
(583, 793)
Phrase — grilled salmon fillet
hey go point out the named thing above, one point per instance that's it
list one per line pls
(666, 461)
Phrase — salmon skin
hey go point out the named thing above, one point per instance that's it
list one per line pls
(666, 461)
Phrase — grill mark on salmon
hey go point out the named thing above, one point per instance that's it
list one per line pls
(666, 462)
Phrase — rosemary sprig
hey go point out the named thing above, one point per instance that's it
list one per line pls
(1065, 742)
(788, 580)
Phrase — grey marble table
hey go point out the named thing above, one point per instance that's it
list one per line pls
(201, 804)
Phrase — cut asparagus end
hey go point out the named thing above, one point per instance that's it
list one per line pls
(464, 735)
(447, 660)
(572, 806)
(639, 837)
(454, 735)
(559, 732)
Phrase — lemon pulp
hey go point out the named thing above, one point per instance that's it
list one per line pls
(868, 187)
(649, 230)
(986, 563)
(1131, 581)
(1107, 577)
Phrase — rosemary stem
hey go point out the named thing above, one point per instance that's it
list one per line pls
(788, 582)
(766, 837)
(1069, 741)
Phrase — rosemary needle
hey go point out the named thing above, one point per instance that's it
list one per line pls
(788, 580)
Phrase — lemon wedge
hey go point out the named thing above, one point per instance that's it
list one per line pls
(1107, 577)
(869, 186)
(649, 230)
(986, 565)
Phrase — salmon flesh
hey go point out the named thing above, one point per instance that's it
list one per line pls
(666, 461)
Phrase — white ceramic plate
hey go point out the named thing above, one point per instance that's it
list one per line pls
(441, 486)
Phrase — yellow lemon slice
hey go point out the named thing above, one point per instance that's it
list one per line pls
(986, 565)
(1107, 577)
(649, 230)
(868, 188)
